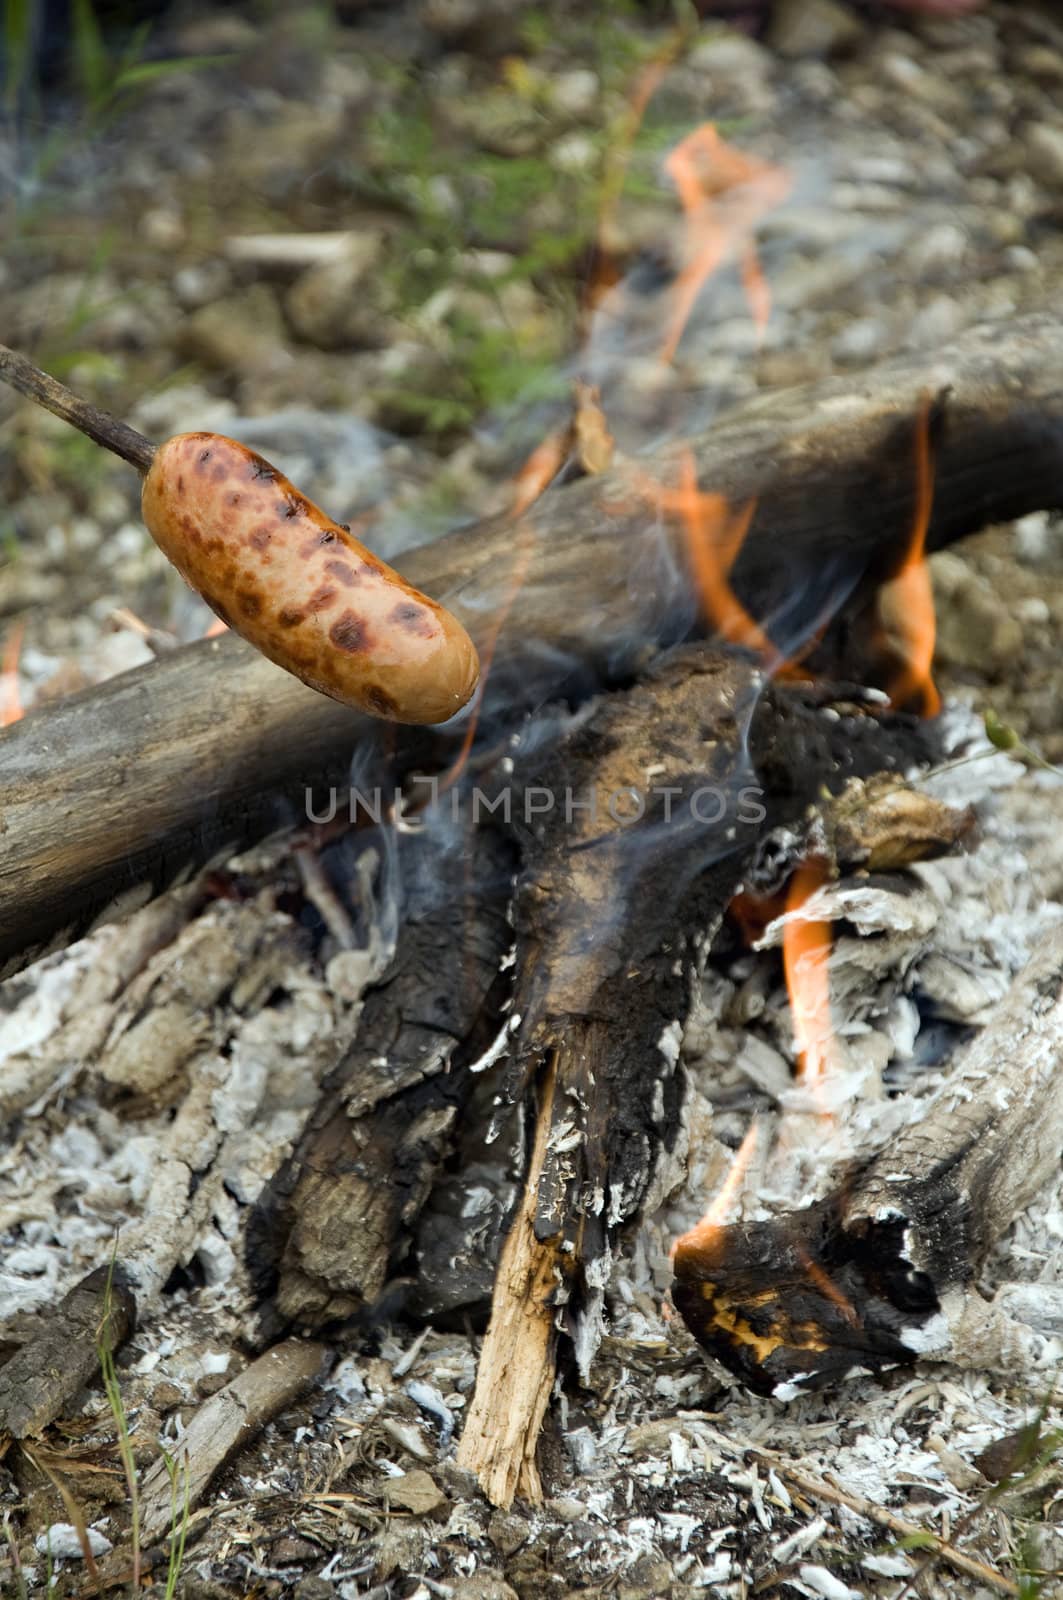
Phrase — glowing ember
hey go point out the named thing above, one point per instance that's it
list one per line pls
(908, 600)
(706, 1233)
(10, 703)
(724, 193)
(806, 953)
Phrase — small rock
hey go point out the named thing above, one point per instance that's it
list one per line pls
(1039, 61)
(739, 71)
(566, 1508)
(165, 1396)
(195, 285)
(240, 334)
(934, 324)
(1020, 258)
(575, 92)
(943, 245)
(1044, 148)
(417, 1492)
(328, 305)
(507, 1532)
(973, 627)
(861, 341)
(576, 152)
(813, 28)
(649, 1577)
(61, 1542)
(163, 227)
(400, 1549)
(290, 1551)
(314, 1588)
(483, 1585)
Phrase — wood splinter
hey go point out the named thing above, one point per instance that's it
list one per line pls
(518, 1357)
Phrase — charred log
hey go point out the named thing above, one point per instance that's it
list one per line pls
(613, 923)
(340, 1212)
(882, 1271)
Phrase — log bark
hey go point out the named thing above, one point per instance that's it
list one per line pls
(883, 1270)
(117, 792)
(46, 1374)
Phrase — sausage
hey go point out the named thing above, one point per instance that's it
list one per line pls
(301, 588)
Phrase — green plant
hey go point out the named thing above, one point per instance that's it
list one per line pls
(180, 1498)
(105, 1352)
(177, 1535)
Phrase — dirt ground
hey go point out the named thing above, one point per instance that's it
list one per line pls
(162, 252)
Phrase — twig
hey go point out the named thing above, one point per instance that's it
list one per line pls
(227, 1421)
(55, 397)
(886, 1519)
(517, 1361)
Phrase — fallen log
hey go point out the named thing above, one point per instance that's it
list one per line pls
(167, 766)
(882, 1271)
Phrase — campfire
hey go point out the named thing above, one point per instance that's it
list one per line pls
(691, 984)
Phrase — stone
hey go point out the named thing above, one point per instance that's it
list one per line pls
(240, 335)
(289, 1551)
(483, 1585)
(507, 1532)
(1044, 149)
(61, 1542)
(973, 629)
(328, 305)
(813, 28)
(575, 92)
(400, 1549)
(314, 1588)
(860, 342)
(417, 1492)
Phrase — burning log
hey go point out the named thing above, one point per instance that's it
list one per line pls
(882, 1271)
(172, 764)
(613, 923)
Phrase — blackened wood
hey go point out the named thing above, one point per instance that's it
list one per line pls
(861, 1279)
(612, 922)
(612, 926)
(123, 788)
(339, 1213)
(46, 1374)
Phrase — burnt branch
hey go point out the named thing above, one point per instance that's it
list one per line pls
(100, 426)
(882, 1270)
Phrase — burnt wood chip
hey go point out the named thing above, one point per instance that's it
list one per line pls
(802, 1301)
(46, 1374)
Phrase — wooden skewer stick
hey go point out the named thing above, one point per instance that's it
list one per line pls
(62, 402)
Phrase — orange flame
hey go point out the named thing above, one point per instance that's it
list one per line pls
(724, 193)
(806, 953)
(706, 1233)
(909, 596)
(714, 535)
(217, 627)
(10, 703)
